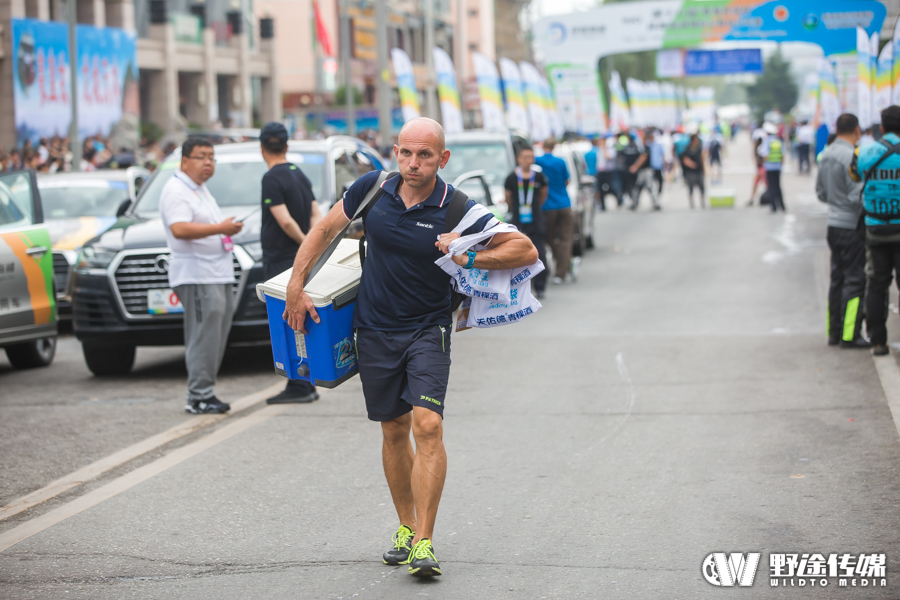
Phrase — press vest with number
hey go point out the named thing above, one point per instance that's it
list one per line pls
(774, 151)
(881, 194)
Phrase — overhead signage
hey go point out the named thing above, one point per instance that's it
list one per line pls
(723, 62)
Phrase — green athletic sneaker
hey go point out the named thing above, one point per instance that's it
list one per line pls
(399, 554)
(422, 562)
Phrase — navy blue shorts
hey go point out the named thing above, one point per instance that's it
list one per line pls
(402, 369)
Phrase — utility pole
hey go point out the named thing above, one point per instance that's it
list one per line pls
(348, 66)
(317, 57)
(384, 76)
(430, 96)
(461, 44)
(74, 140)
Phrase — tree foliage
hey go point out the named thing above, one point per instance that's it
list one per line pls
(774, 89)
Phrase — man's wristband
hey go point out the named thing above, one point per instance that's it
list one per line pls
(471, 262)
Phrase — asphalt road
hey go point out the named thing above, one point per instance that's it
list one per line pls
(678, 400)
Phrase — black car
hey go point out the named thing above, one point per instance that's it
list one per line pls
(117, 271)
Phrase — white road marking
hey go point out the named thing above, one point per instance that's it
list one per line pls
(129, 480)
(889, 375)
(123, 456)
(623, 373)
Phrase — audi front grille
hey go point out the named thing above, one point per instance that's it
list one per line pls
(138, 273)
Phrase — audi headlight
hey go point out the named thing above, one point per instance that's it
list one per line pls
(254, 249)
(93, 261)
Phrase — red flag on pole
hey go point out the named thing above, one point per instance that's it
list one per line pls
(321, 32)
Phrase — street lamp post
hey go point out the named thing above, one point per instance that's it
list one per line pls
(384, 77)
(74, 141)
(348, 66)
(430, 100)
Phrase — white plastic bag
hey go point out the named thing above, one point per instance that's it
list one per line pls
(499, 297)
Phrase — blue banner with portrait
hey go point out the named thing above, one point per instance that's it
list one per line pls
(106, 75)
(108, 91)
(41, 79)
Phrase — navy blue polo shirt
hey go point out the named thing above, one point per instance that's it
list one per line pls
(401, 288)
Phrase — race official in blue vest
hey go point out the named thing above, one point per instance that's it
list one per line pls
(877, 165)
(402, 322)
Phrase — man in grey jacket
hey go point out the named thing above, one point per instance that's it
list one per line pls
(846, 238)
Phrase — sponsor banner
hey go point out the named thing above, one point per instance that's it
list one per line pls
(578, 98)
(670, 63)
(106, 78)
(489, 92)
(406, 84)
(618, 28)
(448, 92)
(41, 79)
(516, 112)
(723, 62)
(108, 91)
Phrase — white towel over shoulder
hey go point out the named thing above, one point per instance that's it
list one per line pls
(499, 297)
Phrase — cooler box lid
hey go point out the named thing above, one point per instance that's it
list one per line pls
(340, 274)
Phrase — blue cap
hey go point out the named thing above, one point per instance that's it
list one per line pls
(273, 129)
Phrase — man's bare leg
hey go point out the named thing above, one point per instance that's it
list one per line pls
(397, 456)
(429, 469)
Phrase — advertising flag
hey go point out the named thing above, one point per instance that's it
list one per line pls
(534, 96)
(864, 79)
(882, 97)
(829, 103)
(516, 113)
(873, 66)
(895, 78)
(406, 84)
(489, 92)
(448, 92)
(619, 112)
(556, 123)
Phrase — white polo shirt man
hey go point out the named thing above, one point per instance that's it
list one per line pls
(200, 270)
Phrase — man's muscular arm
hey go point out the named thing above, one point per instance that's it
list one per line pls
(298, 302)
(505, 251)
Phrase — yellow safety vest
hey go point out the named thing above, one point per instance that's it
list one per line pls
(774, 151)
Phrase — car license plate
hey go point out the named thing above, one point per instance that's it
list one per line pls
(163, 302)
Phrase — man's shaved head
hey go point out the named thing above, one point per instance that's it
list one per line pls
(423, 129)
(420, 152)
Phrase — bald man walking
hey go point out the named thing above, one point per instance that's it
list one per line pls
(402, 322)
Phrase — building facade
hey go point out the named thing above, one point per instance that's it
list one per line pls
(200, 65)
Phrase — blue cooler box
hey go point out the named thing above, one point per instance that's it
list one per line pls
(326, 355)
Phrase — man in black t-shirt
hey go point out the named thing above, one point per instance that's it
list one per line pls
(643, 175)
(526, 190)
(289, 210)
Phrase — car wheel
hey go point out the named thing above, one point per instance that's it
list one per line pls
(116, 360)
(38, 353)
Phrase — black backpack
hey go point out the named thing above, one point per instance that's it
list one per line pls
(456, 209)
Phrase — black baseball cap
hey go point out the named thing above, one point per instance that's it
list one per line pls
(273, 129)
